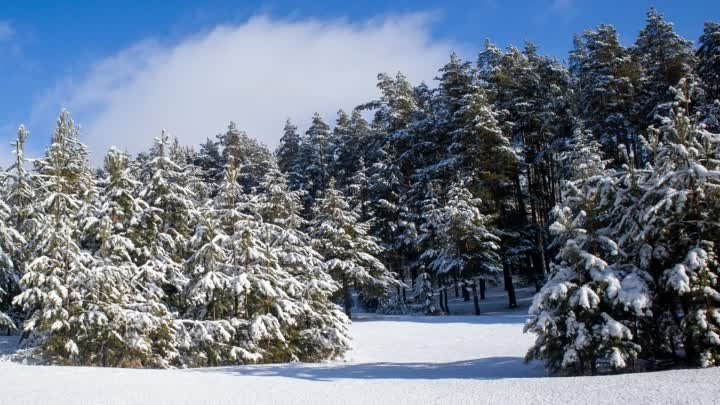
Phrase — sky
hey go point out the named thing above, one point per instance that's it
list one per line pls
(126, 70)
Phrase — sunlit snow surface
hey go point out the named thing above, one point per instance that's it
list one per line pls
(397, 360)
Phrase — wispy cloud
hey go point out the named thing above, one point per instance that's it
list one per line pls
(257, 74)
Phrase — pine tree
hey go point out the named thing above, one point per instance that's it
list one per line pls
(585, 316)
(607, 78)
(321, 329)
(288, 155)
(11, 243)
(208, 289)
(664, 58)
(423, 294)
(126, 323)
(168, 221)
(679, 211)
(349, 251)
(52, 285)
(708, 55)
(316, 157)
(466, 246)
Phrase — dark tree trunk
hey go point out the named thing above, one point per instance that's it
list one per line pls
(447, 308)
(476, 302)
(442, 301)
(457, 287)
(512, 302)
(346, 293)
(465, 291)
(482, 288)
(404, 296)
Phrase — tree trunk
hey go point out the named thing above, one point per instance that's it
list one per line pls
(476, 302)
(512, 302)
(457, 287)
(447, 308)
(346, 293)
(403, 295)
(442, 301)
(465, 291)
(482, 288)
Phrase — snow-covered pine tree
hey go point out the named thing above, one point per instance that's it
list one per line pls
(466, 243)
(679, 226)
(321, 329)
(169, 220)
(350, 253)
(252, 158)
(126, 323)
(585, 316)
(207, 291)
(708, 55)
(288, 155)
(607, 77)
(423, 294)
(11, 245)
(209, 161)
(664, 59)
(19, 194)
(21, 184)
(52, 286)
(316, 157)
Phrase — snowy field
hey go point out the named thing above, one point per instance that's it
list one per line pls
(397, 359)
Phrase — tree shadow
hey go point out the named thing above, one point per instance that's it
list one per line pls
(491, 368)
(9, 344)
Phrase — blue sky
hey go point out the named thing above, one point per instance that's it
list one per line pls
(95, 58)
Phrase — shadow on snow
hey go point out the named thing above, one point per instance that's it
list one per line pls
(491, 368)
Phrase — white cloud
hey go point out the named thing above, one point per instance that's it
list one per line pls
(6, 31)
(256, 74)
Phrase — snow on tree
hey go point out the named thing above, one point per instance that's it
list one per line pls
(288, 155)
(680, 208)
(466, 245)
(321, 329)
(423, 294)
(168, 221)
(607, 80)
(128, 324)
(664, 58)
(350, 253)
(11, 245)
(208, 288)
(52, 286)
(586, 313)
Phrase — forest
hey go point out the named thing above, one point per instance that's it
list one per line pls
(597, 180)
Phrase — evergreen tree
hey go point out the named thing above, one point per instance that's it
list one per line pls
(167, 222)
(349, 251)
(607, 77)
(664, 58)
(52, 286)
(288, 155)
(708, 55)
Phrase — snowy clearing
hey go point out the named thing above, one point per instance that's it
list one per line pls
(397, 359)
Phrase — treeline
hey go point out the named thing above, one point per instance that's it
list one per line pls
(596, 180)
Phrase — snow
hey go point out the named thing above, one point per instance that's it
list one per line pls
(396, 360)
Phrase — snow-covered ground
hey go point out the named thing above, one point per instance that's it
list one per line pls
(397, 360)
